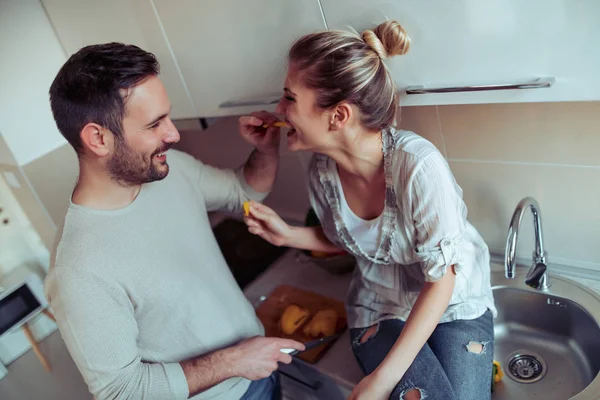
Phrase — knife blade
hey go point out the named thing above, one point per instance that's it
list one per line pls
(311, 345)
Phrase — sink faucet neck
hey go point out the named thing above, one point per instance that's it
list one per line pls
(537, 276)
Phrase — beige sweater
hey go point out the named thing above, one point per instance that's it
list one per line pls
(137, 290)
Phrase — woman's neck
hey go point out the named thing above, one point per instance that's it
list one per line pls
(359, 153)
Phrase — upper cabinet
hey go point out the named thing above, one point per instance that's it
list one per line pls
(228, 57)
(80, 23)
(234, 52)
(464, 43)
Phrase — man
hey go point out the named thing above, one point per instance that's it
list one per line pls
(142, 294)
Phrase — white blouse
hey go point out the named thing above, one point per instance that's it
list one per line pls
(423, 230)
(365, 232)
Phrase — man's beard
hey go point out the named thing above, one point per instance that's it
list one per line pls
(129, 168)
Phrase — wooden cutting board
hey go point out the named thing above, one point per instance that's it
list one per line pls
(271, 309)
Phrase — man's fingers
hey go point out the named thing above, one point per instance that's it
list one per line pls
(251, 120)
(266, 116)
(284, 358)
(289, 343)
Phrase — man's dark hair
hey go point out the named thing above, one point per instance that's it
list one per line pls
(88, 87)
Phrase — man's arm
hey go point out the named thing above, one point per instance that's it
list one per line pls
(96, 321)
(253, 359)
(260, 170)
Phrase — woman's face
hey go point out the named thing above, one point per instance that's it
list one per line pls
(310, 125)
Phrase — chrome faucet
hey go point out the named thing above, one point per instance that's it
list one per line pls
(537, 277)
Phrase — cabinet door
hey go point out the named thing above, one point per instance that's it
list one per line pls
(80, 23)
(472, 42)
(231, 50)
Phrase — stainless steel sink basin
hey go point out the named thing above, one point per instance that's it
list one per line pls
(548, 343)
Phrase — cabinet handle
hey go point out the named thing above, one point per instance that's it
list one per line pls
(534, 84)
(265, 101)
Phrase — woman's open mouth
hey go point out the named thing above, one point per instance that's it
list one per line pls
(291, 130)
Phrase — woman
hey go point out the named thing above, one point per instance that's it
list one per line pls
(420, 305)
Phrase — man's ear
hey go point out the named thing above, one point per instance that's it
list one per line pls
(342, 113)
(96, 139)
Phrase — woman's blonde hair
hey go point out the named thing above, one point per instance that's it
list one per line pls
(345, 66)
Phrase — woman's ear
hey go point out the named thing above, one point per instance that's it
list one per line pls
(342, 113)
(96, 139)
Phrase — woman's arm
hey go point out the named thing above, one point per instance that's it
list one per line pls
(265, 223)
(424, 317)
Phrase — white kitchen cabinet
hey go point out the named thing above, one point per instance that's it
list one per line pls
(231, 50)
(473, 42)
(80, 23)
(228, 57)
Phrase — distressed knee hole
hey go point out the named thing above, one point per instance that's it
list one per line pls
(368, 333)
(413, 394)
(476, 347)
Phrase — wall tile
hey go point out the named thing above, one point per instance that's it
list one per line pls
(569, 202)
(424, 121)
(555, 133)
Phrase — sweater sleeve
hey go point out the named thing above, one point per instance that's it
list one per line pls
(222, 189)
(96, 321)
(226, 189)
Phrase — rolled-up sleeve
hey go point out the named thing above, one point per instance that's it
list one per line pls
(226, 189)
(439, 216)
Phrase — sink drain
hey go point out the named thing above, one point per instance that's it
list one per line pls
(526, 368)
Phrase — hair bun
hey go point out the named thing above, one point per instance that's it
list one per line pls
(387, 39)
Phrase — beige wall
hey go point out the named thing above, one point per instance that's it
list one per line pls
(53, 177)
(500, 153)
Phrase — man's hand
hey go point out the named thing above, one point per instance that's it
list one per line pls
(256, 358)
(266, 140)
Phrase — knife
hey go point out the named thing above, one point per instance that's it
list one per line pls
(311, 345)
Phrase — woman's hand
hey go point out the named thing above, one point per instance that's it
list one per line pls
(371, 388)
(265, 223)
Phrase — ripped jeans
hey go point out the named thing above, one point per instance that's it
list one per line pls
(452, 365)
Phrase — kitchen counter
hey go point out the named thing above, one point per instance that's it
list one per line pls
(338, 362)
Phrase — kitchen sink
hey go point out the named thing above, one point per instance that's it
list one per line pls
(548, 342)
